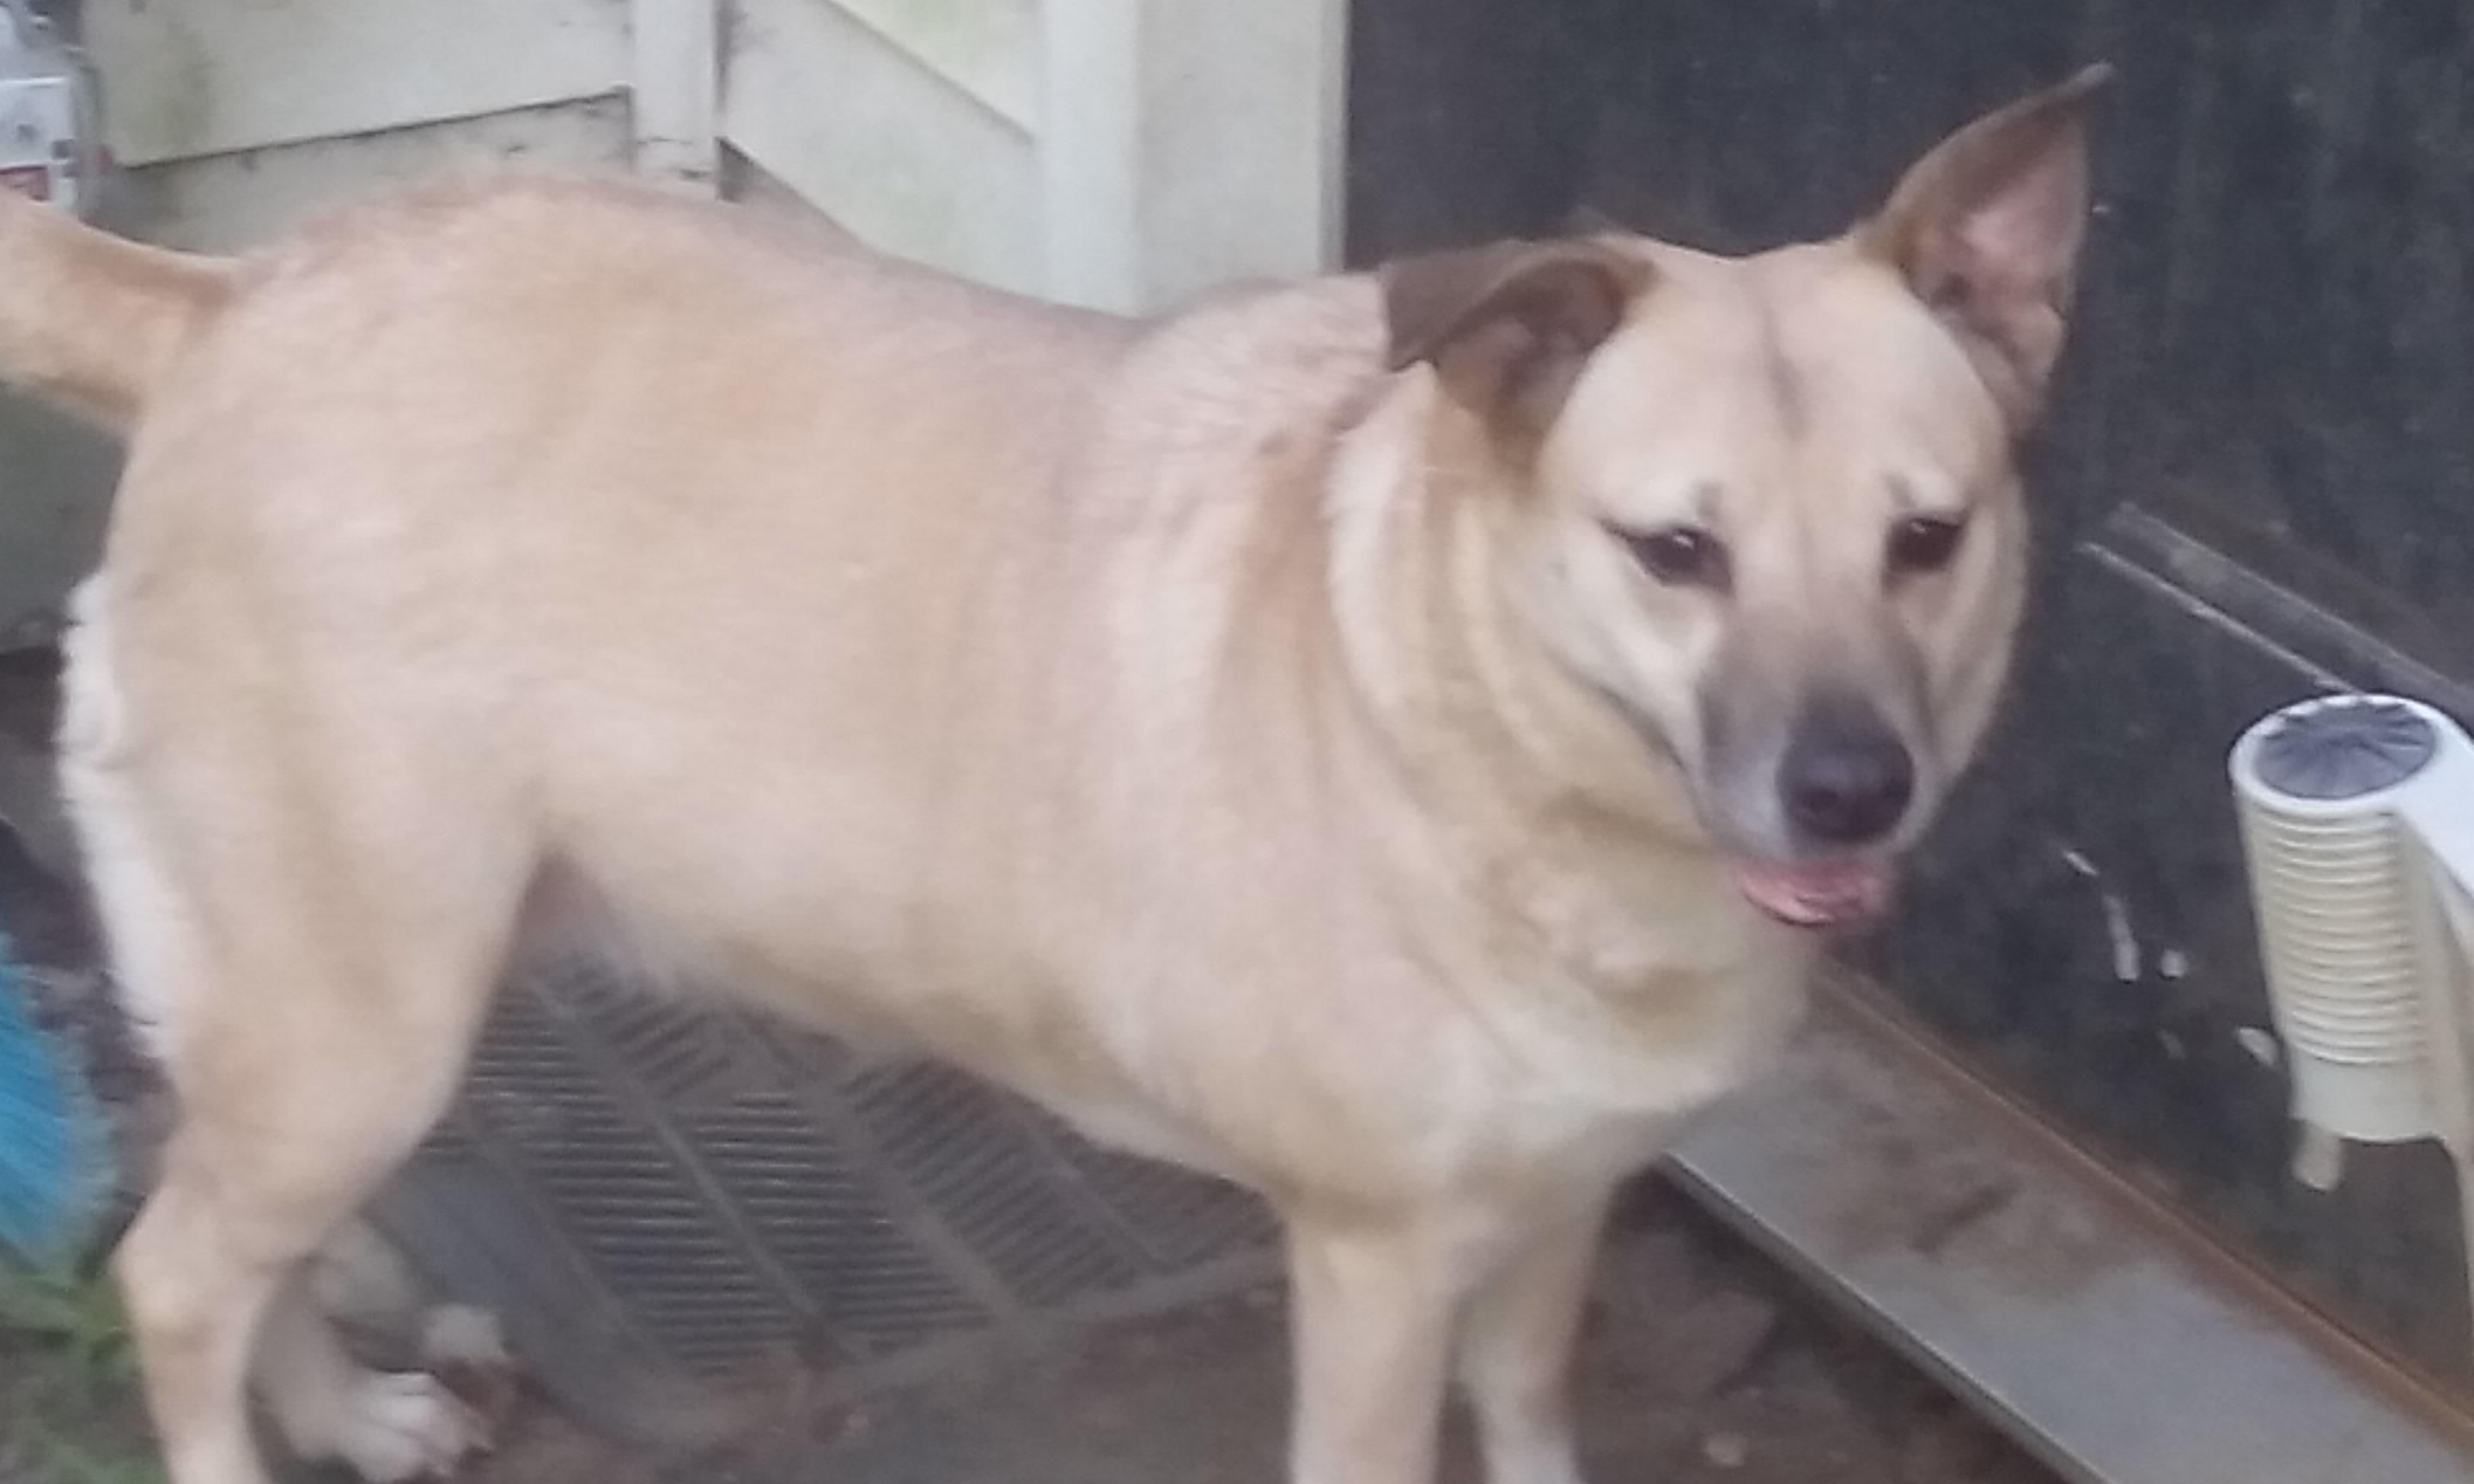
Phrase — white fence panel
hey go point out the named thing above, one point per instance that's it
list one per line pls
(188, 78)
(881, 140)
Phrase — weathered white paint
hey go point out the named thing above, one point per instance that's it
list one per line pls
(1155, 147)
(752, 187)
(1117, 153)
(987, 48)
(1090, 152)
(231, 202)
(675, 92)
(187, 78)
(888, 147)
(1186, 142)
(1241, 140)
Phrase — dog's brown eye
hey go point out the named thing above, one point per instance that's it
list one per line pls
(1924, 544)
(1679, 555)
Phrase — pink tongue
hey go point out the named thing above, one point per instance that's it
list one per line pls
(1819, 894)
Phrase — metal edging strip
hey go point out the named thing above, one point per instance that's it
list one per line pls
(2107, 1345)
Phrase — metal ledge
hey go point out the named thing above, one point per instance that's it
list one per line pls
(2107, 1344)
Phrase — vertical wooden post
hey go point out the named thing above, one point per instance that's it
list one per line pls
(676, 84)
(1183, 142)
(1090, 144)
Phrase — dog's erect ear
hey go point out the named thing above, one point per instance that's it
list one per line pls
(1509, 326)
(1987, 228)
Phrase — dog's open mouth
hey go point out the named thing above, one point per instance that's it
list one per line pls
(1818, 894)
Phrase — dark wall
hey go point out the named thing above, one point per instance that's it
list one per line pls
(2258, 479)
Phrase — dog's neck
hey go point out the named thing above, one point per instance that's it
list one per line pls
(1597, 925)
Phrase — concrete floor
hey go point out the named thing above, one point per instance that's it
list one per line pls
(1702, 1363)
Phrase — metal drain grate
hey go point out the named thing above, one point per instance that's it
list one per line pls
(656, 1197)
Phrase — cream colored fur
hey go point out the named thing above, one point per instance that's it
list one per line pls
(1247, 732)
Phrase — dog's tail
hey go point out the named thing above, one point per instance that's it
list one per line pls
(90, 319)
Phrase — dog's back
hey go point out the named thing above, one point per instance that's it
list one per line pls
(838, 628)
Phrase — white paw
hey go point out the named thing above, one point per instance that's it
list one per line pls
(393, 1427)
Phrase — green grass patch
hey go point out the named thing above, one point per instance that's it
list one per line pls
(71, 1408)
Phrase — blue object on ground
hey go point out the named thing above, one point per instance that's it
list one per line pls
(56, 1162)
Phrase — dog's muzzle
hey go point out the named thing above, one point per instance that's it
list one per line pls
(1845, 784)
(1847, 777)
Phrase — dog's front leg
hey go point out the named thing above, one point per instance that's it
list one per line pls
(1371, 1308)
(1517, 1348)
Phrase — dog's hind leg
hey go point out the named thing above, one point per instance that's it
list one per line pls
(1515, 1351)
(314, 932)
(314, 1047)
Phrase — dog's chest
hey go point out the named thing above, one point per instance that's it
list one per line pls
(1637, 996)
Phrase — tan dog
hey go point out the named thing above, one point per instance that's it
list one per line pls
(1360, 738)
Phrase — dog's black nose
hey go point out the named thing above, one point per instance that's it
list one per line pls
(1847, 777)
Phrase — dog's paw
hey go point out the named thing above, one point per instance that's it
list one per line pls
(397, 1427)
(465, 1348)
